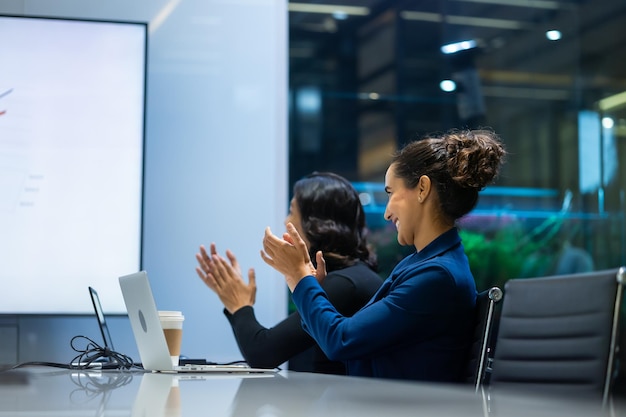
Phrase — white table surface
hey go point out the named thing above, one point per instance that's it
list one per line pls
(53, 392)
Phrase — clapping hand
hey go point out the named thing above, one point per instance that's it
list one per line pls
(290, 256)
(225, 278)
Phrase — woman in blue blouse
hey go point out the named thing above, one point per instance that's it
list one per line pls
(417, 326)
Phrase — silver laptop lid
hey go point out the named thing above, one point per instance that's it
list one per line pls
(144, 320)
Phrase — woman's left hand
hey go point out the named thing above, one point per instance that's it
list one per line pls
(225, 279)
(290, 256)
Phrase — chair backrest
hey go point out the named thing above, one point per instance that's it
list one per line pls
(480, 348)
(558, 334)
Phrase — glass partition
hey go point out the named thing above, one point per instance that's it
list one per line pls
(548, 76)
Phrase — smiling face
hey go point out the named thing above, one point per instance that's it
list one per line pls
(402, 208)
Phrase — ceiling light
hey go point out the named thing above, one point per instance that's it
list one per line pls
(455, 47)
(553, 35)
(485, 22)
(421, 16)
(308, 100)
(328, 9)
(608, 122)
(447, 85)
(612, 102)
(464, 20)
(340, 15)
(536, 4)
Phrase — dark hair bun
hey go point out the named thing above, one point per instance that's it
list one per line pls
(474, 157)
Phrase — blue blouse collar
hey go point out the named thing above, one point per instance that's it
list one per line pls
(443, 243)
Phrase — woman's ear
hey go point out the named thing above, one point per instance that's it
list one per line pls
(423, 188)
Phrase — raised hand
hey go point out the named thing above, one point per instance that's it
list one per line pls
(225, 278)
(289, 256)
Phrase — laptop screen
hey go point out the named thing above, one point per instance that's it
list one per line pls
(104, 329)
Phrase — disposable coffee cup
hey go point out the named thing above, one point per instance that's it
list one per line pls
(172, 324)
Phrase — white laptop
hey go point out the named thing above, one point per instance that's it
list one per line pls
(149, 336)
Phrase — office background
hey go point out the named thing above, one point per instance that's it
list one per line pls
(548, 76)
(319, 87)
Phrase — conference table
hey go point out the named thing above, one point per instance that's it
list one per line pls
(44, 391)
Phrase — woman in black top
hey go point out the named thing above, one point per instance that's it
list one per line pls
(328, 213)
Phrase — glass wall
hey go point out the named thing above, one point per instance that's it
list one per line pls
(366, 76)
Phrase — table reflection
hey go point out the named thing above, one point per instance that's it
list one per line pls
(41, 392)
(96, 388)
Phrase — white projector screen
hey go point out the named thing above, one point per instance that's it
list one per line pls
(72, 104)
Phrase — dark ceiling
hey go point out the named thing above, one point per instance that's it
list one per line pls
(511, 36)
(378, 73)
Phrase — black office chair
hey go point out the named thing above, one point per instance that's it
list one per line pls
(558, 334)
(481, 349)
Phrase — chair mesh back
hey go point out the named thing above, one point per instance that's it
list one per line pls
(555, 333)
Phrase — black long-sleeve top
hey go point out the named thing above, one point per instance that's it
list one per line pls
(348, 290)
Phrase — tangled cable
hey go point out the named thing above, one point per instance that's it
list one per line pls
(93, 354)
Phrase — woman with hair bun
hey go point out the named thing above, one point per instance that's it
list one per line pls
(418, 325)
(327, 212)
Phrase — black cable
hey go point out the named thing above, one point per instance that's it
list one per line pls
(95, 357)
(35, 363)
(241, 361)
(92, 355)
